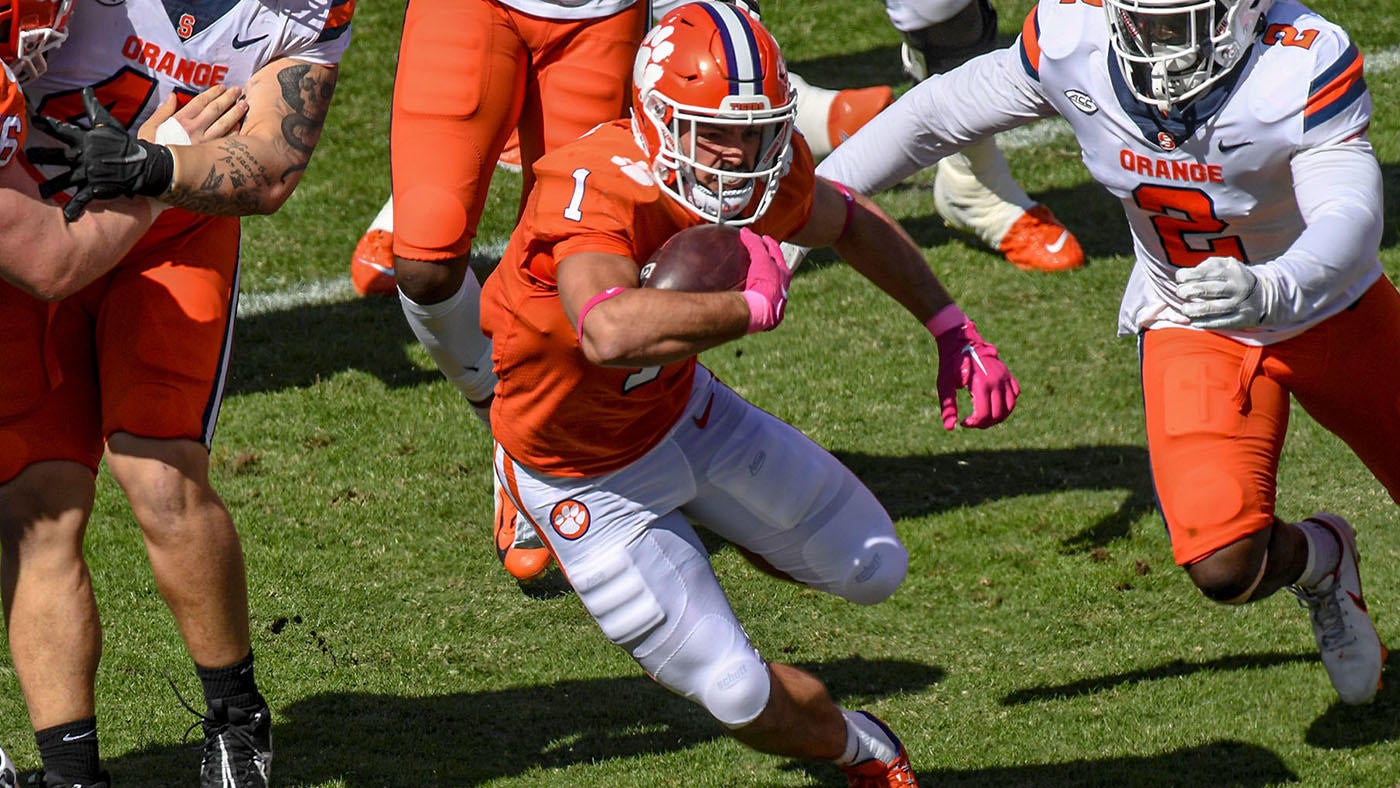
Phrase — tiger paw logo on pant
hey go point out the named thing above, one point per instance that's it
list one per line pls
(569, 519)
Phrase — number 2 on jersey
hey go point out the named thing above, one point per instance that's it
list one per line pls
(1179, 212)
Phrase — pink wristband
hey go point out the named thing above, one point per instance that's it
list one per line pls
(850, 210)
(592, 302)
(949, 317)
(758, 312)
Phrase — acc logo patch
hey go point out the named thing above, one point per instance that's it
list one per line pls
(569, 519)
(1081, 101)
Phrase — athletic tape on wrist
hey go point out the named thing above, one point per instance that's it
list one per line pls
(592, 302)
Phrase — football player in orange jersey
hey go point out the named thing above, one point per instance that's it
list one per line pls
(825, 116)
(612, 438)
(566, 63)
(131, 369)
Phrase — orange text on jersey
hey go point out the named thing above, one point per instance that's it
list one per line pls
(1170, 170)
(190, 72)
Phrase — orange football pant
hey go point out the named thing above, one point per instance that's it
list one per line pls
(471, 71)
(142, 350)
(1217, 412)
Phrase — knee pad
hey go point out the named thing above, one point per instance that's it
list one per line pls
(946, 45)
(716, 666)
(875, 572)
(737, 690)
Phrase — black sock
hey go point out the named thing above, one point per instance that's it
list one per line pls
(70, 749)
(234, 684)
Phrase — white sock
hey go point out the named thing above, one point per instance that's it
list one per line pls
(1324, 553)
(451, 332)
(865, 740)
(384, 220)
(814, 114)
(975, 192)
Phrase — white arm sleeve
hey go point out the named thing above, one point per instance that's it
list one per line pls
(938, 116)
(1338, 188)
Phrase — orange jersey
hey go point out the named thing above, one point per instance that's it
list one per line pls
(555, 411)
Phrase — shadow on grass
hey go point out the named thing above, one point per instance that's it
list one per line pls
(381, 741)
(918, 486)
(1218, 764)
(1174, 669)
(298, 347)
(1345, 727)
(1342, 727)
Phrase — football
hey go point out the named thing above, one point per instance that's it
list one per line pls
(706, 259)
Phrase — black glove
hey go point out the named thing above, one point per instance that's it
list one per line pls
(103, 162)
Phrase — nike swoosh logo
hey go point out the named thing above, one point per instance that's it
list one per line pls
(1359, 600)
(1224, 148)
(704, 418)
(80, 736)
(1059, 243)
(239, 43)
(387, 271)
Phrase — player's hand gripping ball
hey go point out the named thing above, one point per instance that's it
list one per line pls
(709, 258)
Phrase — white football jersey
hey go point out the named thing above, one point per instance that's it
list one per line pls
(137, 52)
(1221, 179)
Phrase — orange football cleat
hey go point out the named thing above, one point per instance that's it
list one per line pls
(876, 773)
(523, 563)
(1039, 242)
(372, 264)
(853, 108)
(510, 157)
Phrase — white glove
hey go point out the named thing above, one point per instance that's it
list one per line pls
(1223, 292)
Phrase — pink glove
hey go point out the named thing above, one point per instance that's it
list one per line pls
(766, 287)
(965, 360)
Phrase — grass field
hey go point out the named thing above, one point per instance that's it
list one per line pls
(1043, 637)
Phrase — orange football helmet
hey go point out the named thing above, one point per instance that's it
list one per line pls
(710, 63)
(28, 29)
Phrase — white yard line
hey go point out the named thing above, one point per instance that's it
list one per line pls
(330, 291)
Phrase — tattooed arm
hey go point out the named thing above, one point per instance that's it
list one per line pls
(255, 170)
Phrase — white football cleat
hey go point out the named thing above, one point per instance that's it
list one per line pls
(976, 194)
(9, 776)
(1346, 639)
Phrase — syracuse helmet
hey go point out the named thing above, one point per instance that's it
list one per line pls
(1173, 51)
